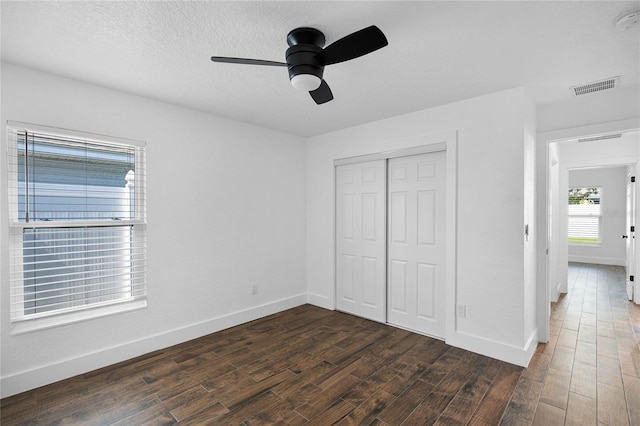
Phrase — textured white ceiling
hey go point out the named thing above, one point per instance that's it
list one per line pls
(438, 52)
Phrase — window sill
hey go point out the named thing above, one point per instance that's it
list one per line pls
(38, 324)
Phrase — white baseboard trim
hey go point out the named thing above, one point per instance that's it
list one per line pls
(561, 289)
(555, 295)
(320, 300)
(598, 260)
(531, 345)
(498, 350)
(31, 379)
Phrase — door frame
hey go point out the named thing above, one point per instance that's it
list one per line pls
(422, 144)
(543, 296)
(631, 212)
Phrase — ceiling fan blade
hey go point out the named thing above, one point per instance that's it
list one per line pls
(247, 61)
(322, 94)
(353, 46)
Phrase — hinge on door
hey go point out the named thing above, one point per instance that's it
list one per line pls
(631, 278)
(633, 179)
(633, 229)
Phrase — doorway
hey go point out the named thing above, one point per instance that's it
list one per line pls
(614, 148)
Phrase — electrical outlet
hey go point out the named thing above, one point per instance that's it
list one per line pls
(461, 310)
(254, 289)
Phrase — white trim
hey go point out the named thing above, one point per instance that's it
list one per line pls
(530, 347)
(75, 223)
(451, 266)
(332, 298)
(404, 152)
(320, 301)
(597, 260)
(615, 161)
(498, 350)
(25, 380)
(543, 304)
(593, 130)
(22, 326)
(619, 126)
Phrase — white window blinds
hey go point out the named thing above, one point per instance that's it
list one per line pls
(584, 215)
(77, 207)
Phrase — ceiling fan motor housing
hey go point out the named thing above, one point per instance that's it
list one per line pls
(306, 57)
(305, 44)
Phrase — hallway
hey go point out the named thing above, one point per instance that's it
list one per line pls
(589, 372)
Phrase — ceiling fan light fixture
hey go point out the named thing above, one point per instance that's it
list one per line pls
(306, 57)
(306, 82)
(628, 19)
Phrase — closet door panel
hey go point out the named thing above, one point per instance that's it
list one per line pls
(416, 191)
(361, 239)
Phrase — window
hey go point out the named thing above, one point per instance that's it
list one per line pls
(585, 215)
(77, 213)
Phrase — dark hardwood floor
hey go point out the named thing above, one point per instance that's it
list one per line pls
(312, 366)
(303, 366)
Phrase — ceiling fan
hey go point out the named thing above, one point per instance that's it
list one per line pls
(306, 57)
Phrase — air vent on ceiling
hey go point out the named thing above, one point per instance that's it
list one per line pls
(596, 86)
(600, 138)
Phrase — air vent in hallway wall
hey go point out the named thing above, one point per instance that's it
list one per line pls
(595, 86)
(600, 138)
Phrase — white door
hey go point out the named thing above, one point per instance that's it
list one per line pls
(630, 235)
(416, 243)
(360, 239)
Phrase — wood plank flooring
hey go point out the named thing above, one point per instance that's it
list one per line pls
(589, 372)
(303, 366)
(312, 366)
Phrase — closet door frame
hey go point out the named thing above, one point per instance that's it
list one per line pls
(424, 144)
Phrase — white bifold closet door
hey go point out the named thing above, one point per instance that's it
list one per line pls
(360, 239)
(416, 242)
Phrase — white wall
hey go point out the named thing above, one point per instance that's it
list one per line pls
(613, 181)
(601, 107)
(252, 216)
(226, 207)
(491, 248)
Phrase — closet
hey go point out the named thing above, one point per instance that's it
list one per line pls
(390, 241)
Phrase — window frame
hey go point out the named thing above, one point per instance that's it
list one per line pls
(22, 323)
(599, 215)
